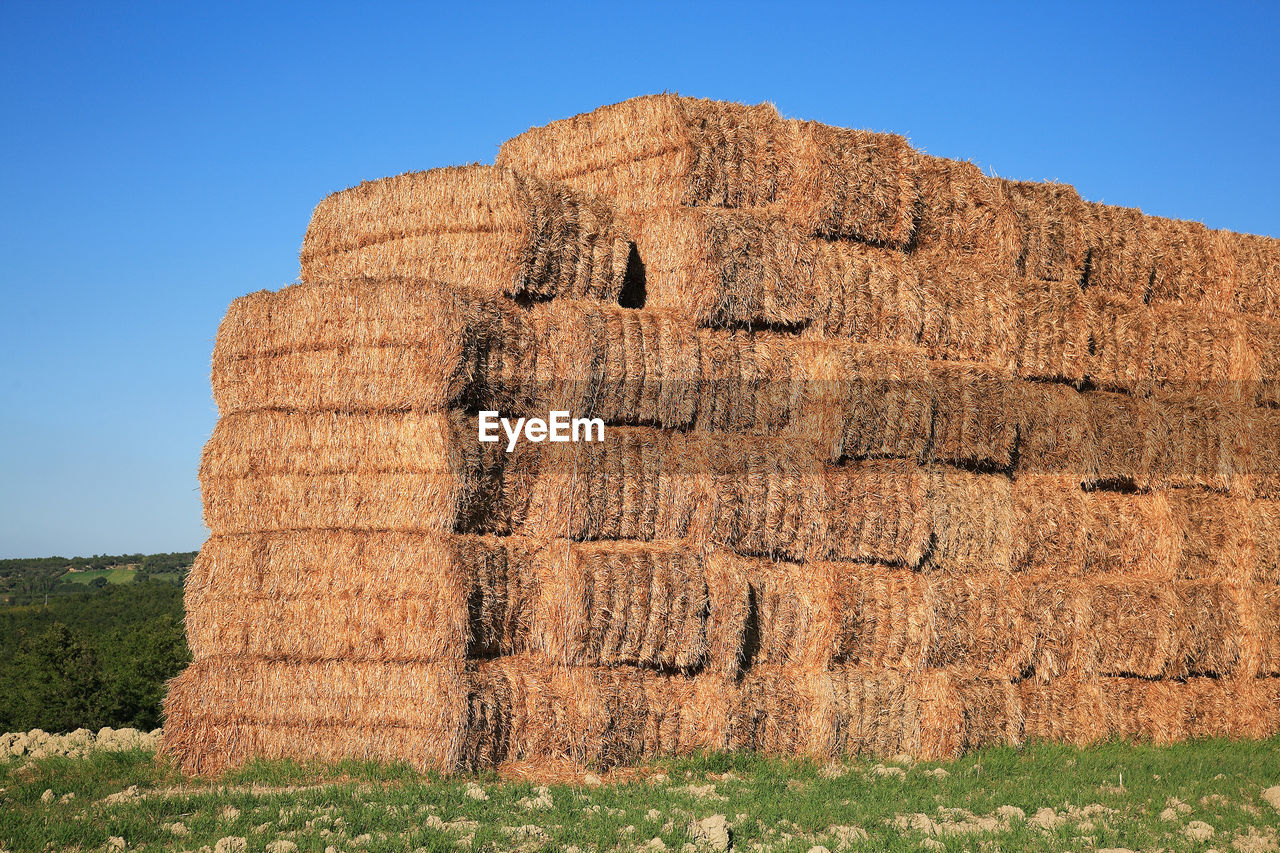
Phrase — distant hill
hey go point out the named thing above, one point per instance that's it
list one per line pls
(28, 580)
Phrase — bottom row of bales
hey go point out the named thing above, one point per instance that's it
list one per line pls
(451, 717)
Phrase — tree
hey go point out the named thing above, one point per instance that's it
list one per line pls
(57, 682)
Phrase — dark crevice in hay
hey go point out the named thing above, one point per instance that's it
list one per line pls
(761, 326)
(750, 632)
(526, 299)
(634, 285)
(1087, 272)
(1119, 485)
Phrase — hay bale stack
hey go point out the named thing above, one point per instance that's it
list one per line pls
(898, 457)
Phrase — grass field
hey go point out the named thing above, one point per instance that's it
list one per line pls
(1190, 797)
(112, 575)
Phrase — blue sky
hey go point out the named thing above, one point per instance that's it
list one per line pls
(155, 163)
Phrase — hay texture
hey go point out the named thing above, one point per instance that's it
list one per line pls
(487, 227)
(898, 457)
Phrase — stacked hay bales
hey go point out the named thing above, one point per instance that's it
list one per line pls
(898, 458)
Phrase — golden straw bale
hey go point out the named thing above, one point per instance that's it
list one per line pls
(631, 603)
(1054, 610)
(974, 420)
(747, 382)
(972, 518)
(1052, 330)
(1055, 435)
(963, 210)
(1257, 273)
(1264, 628)
(1263, 337)
(1070, 709)
(883, 395)
(877, 511)
(1141, 710)
(962, 710)
(393, 378)
(857, 710)
(455, 321)
(744, 268)
(1259, 457)
(1050, 524)
(224, 712)
(1262, 519)
(660, 150)
(1197, 437)
(328, 594)
(1188, 264)
(969, 308)
(1211, 624)
(272, 470)
(757, 495)
(668, 151)
(1202, 347)
(1122, 426)
(1130, 626)
(488, 227)
(1051, 221)
(521, 708)
(1118, 258)
(1214, 535)
(1120, 334)
(1132, 534)
(977, 622)
(838, 182)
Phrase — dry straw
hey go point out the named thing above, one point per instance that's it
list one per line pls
(899, 458)
(486, 227)
(668, 151)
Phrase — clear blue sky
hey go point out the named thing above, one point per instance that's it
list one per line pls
(159, 162)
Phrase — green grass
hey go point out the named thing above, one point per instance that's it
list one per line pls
(775, 804)
(112, 576)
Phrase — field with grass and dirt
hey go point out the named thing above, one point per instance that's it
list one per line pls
(1190, 797)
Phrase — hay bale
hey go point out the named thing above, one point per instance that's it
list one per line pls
(746, 268)
(1211, 624)
(1203, 348)
(520, 708)
(1051, 222)
(1055, 435)
(1052, 330)
(1214, 539)
(1071, 709)
(637, 604)
(1118, 258)
(222, 712)
(857, 710)
(972, 518)
(1050, 521)
(974, 422)
(308, 595)
(963, 210)
(1257, 273)
(482, 226)
(877, 511)
(1262, 519)
(1121, 427)
(1188, 264)
(668, 151)
(1263, 338)
(1131, 534)
(969, 308)
(977, 623)
(277, 470)
(1197, 436)
(1120, 334)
